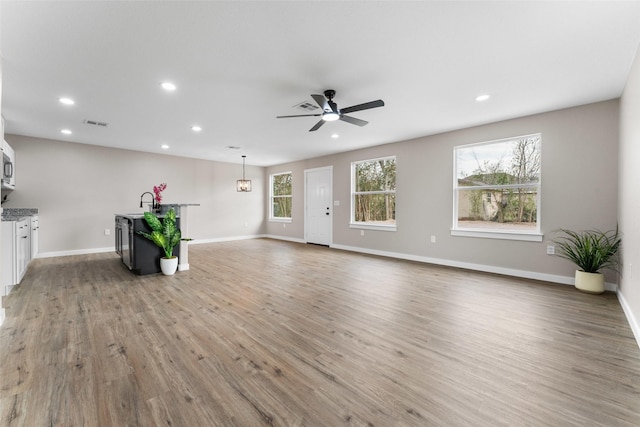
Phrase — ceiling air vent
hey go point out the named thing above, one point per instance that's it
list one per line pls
(306, 106)
(96, 123)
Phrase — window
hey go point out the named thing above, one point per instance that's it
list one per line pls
(507, 173)
(373, 194)
(280, 197)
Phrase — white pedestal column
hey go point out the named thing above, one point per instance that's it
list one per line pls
(183, 261)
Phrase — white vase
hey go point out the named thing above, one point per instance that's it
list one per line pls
(169, 265)
(592, 283)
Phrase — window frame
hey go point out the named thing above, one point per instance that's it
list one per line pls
(368, 225)
(272, 198)
(495, 233)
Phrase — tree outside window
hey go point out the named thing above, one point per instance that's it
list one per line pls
(497, 185)
(374, 192)
(281, 196)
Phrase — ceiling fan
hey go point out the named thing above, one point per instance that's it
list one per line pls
(332, 113)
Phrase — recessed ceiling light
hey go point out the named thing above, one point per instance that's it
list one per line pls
(66, 101)
(66, 131)
(168, 86)
(196, 128)
(164, 146)
(481, 98)
(335, 136)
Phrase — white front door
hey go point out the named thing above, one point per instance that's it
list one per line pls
(318, 205)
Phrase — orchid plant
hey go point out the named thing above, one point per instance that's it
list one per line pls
(157, 190)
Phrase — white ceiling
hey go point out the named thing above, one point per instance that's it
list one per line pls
(239, 64)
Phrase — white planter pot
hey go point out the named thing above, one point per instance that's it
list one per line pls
(169, 265)
(592, 283)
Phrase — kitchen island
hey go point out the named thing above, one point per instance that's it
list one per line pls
(138, 254)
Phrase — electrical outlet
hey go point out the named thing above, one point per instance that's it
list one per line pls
(433, 239)
(107, 232)
(551, 250)
(362, 232)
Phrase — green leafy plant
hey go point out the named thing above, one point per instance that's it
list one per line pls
(590, 250)
(164, 233)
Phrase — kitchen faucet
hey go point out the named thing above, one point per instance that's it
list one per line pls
(153, 200)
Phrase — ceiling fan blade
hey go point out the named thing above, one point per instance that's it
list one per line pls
(353, 120)
(317, 126)
(322, 102)
(299, 115)
(365, 106)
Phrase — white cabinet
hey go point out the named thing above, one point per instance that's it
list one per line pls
(16, 251)
(35, 231)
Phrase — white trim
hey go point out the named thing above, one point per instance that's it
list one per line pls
(368, 226)
(503, 234)
(285, 220)
(633, 322)
(288, 239)
(113, 249)
(75, 252)
(225, 239)
(565, 280)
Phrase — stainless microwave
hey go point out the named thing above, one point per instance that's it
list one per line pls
(8, 167)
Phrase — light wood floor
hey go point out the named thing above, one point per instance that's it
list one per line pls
(262, 333)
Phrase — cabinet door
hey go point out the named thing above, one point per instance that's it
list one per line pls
(35, 230)
(8, 256)
(23, 247)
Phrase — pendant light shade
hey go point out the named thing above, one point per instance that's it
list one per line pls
(243, 185)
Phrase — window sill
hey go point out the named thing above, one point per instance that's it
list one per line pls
(287, 220)
(373, 227)
(504, 235)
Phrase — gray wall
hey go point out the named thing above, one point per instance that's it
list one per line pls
(78, 188)
(629, 196)
(579, 191)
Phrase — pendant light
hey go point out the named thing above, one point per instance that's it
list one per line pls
(243, 185)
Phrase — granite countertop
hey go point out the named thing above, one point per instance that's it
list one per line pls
(131, 215)
(137, 215)
(16, 214)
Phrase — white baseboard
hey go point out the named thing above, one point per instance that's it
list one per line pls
(225, 239)
(633, 322)
(288, 239)
(565, 280)
(75, 252)
(113, 249)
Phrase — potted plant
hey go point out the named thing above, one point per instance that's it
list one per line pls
(591, 251)
(165, 234)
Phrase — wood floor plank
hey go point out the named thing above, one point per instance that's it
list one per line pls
(270, 333)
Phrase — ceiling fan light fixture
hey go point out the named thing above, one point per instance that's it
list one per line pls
(330, 116)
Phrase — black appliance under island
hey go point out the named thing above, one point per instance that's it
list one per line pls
(138, 253)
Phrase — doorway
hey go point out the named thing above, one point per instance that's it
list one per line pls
(318, 206)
